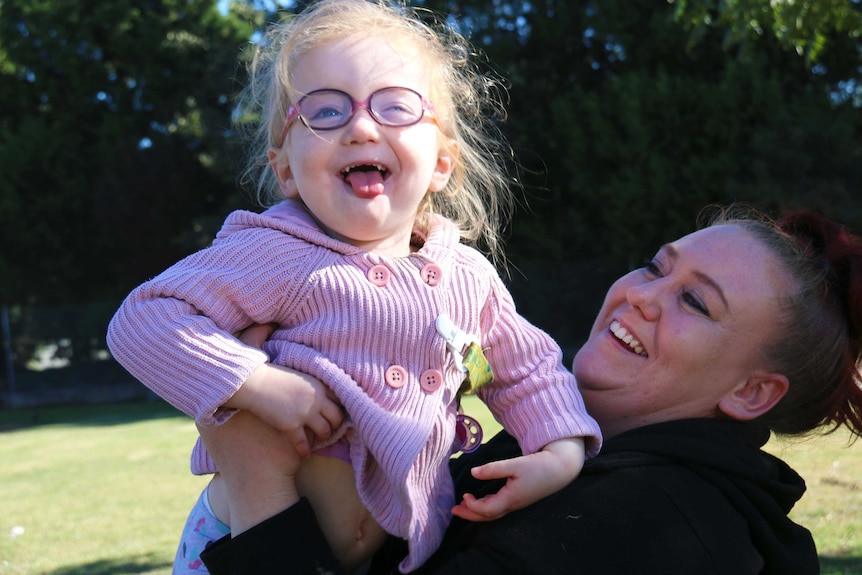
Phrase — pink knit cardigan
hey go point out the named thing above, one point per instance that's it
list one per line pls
(173, 333)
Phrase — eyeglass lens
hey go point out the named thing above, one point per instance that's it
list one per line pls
(330, 109)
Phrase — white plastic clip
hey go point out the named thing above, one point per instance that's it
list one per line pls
(456, 340)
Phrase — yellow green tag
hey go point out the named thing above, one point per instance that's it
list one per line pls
(478, 369)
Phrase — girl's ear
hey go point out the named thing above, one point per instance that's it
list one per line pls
(281, 168)
(755, 396)
(446, 158)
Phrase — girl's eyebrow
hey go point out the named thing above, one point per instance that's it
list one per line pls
(673, 254)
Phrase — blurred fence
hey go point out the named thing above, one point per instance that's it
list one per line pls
(54, 355)
(58, 354)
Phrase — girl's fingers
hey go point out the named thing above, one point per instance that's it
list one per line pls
(472, 509)
(494, 470)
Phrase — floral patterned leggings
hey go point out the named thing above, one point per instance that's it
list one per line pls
(202, 528)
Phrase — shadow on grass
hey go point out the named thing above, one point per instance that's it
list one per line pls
(147, 563)
(15, 418)
(840, 565)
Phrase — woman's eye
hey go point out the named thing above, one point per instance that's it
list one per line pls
(695, 303)
(651, 267)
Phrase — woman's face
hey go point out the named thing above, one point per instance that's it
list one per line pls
(676, 336)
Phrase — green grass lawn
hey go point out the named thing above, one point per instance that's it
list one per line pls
(832, 506)
(103, 490)
(96, 490)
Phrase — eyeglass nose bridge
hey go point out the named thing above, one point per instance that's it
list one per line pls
(366, 105)
(356, 106)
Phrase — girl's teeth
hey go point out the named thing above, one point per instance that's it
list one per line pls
(624, 336)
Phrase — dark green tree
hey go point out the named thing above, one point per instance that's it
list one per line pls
(115, 140)
(117, 154)
(628, 119)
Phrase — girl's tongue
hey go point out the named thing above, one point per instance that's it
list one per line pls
(365, 184)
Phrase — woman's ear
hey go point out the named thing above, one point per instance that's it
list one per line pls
(755, 396)
(446, 158)
(281, 168)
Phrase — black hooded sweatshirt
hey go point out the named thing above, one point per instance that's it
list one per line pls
(691, 497)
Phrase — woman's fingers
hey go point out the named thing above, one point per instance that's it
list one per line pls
(256, 334)
(244, 442)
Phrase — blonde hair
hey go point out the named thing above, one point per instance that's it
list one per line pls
(468, 105)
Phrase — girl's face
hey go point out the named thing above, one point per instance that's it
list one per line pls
(373, 211)
(675, 339)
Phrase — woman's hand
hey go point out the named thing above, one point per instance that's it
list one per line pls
(529, 478)
(257, 459)
(289, 400)
(257, 464)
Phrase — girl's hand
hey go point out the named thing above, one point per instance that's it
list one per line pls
(291, 401)
(530, 478)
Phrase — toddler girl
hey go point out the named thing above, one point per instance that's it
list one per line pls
(375, 129)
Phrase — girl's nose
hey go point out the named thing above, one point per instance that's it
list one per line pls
(645, 298)
(361, 128)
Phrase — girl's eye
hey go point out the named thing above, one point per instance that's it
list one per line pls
(398, 114)
(326, 113)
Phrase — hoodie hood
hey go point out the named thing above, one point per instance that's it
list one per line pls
(727, 454)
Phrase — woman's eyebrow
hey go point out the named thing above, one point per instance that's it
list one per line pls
(673, 254)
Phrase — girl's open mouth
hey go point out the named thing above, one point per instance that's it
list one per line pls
(365, 179)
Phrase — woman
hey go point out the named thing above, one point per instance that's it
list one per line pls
(736, 330)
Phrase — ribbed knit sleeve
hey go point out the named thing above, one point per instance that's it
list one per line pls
(533, 395)
(174, 332)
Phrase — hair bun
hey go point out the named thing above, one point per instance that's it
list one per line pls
(837, 250)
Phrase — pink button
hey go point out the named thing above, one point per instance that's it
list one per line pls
(396, 376)
(379, 275)
(431, 380)
(431, 274)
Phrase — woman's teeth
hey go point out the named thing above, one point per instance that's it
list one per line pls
(624, 336)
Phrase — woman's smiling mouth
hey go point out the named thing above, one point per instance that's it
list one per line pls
(625, 337)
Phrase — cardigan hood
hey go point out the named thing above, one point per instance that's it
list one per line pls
(293, 218)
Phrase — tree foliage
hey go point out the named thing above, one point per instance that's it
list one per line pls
(805, 26)
(114, 139)
(627, 117)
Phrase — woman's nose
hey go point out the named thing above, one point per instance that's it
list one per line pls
(645, 298)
